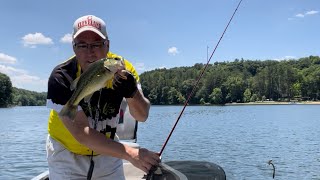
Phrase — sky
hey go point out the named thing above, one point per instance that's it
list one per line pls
(35, 35)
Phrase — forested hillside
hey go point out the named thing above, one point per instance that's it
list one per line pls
(237, 81)
(11, 96)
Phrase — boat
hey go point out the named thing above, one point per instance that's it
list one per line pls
(172, 170)
(169, 170)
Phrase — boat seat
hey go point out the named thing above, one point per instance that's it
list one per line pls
(127, 126)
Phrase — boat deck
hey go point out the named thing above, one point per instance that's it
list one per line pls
(130, 172)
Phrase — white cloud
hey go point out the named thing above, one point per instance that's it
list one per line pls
(8, 70)
(308, 13)
(290, 57)
(7, 59)
(30, 82)
(22, 79)
(173, 51)
(140, 67)
(312, 12)
(285, 58)
(67, 38)
(300, 15)
(31, 40)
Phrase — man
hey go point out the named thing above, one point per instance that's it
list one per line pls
(87, 146)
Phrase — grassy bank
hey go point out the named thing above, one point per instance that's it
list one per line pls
(275, 103)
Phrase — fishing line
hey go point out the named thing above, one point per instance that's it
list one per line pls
(198, 80)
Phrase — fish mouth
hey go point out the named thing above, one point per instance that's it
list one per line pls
(107, 69)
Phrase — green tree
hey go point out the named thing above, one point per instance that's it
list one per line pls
(22, 97)
(175, 97)
(247, 95)
(5, 91)
(254, 98)
(235, 87)
(296, 87)
(153, 96)
(216, 96)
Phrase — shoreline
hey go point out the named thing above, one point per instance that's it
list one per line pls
(275, 103)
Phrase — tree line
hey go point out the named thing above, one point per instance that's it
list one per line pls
(11, 96)
(223, 82)
(237, 81)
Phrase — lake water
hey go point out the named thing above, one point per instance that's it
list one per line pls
(241, 139)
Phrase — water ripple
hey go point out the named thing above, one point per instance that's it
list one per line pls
(241, 139)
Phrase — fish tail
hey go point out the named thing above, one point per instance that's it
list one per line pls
(69, 111)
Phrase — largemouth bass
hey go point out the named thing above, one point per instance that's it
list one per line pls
(93, 79)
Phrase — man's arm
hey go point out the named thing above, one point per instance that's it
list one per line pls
(125, 83)
(81, 131)
(139, 106)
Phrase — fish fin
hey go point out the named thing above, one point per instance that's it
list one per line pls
(74, 84)
(69, 111)
(87, 98)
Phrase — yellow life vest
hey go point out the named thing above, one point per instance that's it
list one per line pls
(60, 133)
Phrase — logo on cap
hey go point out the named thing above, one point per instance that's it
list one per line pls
(89, 22)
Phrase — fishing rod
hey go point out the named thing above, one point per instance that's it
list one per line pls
(198, 80)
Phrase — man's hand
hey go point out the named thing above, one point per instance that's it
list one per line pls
(144, 159)
(125, 83)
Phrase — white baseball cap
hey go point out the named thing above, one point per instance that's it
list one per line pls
(90, 23)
